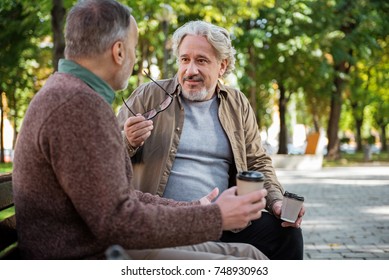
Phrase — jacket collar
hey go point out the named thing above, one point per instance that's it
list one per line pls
(221, 89)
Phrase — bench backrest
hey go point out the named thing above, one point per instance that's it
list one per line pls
(8, 235)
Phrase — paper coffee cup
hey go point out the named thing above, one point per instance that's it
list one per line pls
(249, 181)
(291, 206)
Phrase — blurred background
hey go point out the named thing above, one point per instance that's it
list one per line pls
(316, 72)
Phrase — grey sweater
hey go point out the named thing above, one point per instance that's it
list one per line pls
(72, 183)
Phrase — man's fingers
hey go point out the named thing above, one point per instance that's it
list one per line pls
(136, 123)
(140, 135)
(209, 197)
(256, 215)
(137, 130)
(255, 196)
(258, 206)
(302, 211)
(231, 190)
(213, 194)
(133, 120)
(296, 224)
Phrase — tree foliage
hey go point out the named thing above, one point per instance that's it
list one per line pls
(332, 55)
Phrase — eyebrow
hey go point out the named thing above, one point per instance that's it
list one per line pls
(197, 56)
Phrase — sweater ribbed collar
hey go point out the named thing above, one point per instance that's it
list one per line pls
(92, 80)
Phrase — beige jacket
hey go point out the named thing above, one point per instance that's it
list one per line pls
(153, 161)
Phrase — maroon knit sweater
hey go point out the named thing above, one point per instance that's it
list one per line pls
(72, 183)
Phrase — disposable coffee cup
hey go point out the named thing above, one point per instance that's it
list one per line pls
(291, 206)
(249, 181)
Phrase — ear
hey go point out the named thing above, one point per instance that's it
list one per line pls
(223, 67)
(118, 53)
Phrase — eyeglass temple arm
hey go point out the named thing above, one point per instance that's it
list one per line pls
(125, 104)
(148, 76)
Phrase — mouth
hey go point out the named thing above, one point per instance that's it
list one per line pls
(193, 79)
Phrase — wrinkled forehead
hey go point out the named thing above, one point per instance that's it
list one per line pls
(196, 45)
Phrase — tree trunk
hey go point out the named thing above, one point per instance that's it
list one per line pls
(316, 119)
(15, 119)
(283, 137)
(253, 89)
(165, 28)
(336, 106)
(57, 23)
(333, 123)
(383, 137)
(2, 160)
(341, 67)
(253, 101)
(358, 126)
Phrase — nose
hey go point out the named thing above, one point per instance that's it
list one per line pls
(192, 69)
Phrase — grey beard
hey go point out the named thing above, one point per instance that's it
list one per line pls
(197, 96)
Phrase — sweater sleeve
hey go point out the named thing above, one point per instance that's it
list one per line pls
(89, 159)
(156, 199)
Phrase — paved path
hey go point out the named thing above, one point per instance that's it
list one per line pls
(347, 211)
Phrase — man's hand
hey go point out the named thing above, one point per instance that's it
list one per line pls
(209, 197)
(277, 207)
(238, 211)
(137, 129)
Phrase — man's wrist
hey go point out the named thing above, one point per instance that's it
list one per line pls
(271, 204)
(131, 150)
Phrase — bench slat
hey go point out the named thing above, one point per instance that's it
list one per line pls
(11, 253)
(6, 197)
(8, 233)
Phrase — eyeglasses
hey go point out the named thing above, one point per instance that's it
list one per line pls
(160, 108)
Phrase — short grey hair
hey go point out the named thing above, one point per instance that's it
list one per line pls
(92, 26)
(218, 37)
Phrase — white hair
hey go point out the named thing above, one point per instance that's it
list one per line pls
(218, 37)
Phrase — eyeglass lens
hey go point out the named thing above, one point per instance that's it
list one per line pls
(161, 107)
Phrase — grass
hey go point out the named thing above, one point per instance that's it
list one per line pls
(5, 167)
(357, 159)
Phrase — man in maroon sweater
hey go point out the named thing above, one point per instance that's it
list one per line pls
(72, 175)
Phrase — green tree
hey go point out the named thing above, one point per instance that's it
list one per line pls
(20, 24)
(277, 53)
(380, 89)
(351, 29)
(58, 12)
(326, 51)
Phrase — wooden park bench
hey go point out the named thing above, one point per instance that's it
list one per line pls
(8, 235)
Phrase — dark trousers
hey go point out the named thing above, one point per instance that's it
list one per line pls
(267, 235)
